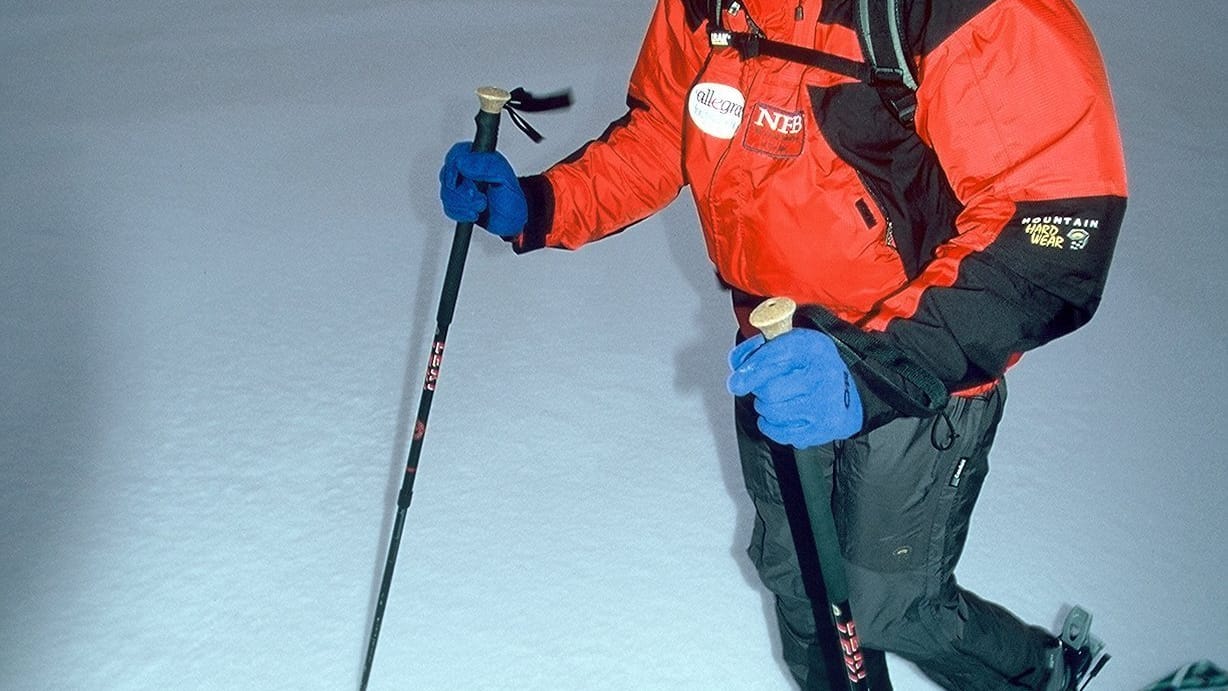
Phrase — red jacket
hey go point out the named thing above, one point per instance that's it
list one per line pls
(983, 231)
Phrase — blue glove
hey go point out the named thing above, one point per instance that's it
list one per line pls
(804, 393)
(463, 201)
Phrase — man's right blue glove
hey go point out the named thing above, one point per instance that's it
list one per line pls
(804, 392)
(503, 200)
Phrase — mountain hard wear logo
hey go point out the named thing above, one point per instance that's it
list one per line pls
(1059, 232)
(716, 109)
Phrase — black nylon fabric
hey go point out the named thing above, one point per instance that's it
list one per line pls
(1051, 289)
(901, 173)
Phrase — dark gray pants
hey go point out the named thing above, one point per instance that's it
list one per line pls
(902, 497)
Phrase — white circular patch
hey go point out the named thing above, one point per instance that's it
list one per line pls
(716, 109)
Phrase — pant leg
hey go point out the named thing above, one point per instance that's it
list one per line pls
(789, 573)
(903, 506)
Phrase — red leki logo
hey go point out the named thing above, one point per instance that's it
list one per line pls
(854, 661)
(432, 368)
(775, 132)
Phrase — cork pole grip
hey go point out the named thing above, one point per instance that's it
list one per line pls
(773, 317)
(492, 99)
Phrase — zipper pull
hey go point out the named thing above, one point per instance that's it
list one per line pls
(798, 13)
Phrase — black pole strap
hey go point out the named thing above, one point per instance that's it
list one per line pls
(524, 101)
(886, 370)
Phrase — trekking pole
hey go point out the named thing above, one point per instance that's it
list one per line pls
(492, 101)
(774, 317)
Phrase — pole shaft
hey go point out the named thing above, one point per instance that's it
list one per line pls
(816, 495)
(485, 140)
(774, 317)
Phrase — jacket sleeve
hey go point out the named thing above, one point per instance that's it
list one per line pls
(1016, 105)
(635, 168)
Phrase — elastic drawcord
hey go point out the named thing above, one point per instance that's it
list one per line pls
(952, 435)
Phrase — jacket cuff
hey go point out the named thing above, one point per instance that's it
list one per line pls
(890, 383)
(540, 198)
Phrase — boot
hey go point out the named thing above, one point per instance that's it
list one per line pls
(1076, 656)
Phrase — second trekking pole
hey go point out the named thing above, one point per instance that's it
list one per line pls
(774, 317)
(492, 102)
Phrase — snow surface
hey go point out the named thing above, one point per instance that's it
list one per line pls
(220, 256)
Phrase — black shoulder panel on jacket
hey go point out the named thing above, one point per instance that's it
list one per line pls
(901, 173)
(936, 20)
(696, 13)
(929, 22)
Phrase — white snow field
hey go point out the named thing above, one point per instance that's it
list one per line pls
(220, 256)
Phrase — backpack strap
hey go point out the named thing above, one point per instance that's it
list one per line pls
(879, 29)
(754, 43)
(880, 26)
(751, 45)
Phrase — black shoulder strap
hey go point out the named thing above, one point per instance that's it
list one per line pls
(751, 45)
(880, 24)
(880, 29)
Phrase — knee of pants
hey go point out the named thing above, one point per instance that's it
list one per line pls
(898, 612)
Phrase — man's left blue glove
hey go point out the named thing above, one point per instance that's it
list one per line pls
(503, 199)
(804, 393)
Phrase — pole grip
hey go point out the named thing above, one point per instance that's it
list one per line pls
(773, 317)
(491, 101)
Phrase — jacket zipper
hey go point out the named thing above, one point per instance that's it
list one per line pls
(716, 167)
(889, 230)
